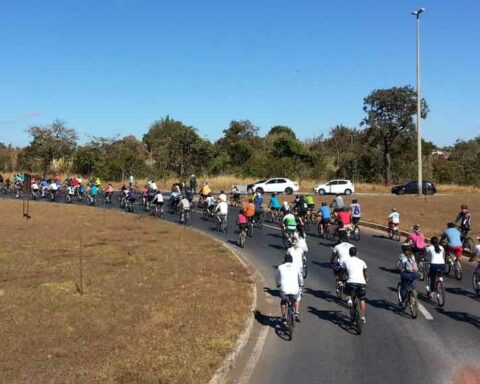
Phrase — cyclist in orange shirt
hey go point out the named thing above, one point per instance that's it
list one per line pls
(249, 209)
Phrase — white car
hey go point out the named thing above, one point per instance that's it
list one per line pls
(344, 187)
(277, 185)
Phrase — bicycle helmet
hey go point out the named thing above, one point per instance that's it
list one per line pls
(394, 209)
(464, 206)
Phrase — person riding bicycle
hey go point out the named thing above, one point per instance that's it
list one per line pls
(465, 219)
(258, 204)
(310, 202)
(325, 214)
(222, 196)
(417, 239)
(93, 192)
(189, 194)
(408, 274)
(183, 204)
(235, 194)
(285, 209)
(249, 210)
(357, 280)
(337, 203)
(242, 221)
(274, 203)
(109, 193)
(158, 199)
(436, 260)
(131, 194)
(70, 192)
(356, 211)
(205, 190)
(454, 239)
(344, 217)
(340, 253)
(393, 218)
(296, 252)
(301, 238)
(289, 279)
(289, 224)
(301, 207)
(210, 203)
(222, 211)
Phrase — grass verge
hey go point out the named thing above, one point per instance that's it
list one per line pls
(163, 305)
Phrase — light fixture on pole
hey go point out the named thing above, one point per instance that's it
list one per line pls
(417, 14)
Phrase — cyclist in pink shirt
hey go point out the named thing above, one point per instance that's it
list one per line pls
(417, 239)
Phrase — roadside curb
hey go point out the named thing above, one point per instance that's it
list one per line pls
(229, 361)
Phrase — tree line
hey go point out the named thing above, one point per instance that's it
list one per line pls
(382, 149)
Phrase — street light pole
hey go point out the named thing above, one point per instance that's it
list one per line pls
(419, 105)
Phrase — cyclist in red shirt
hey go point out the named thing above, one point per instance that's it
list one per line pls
(345, 219)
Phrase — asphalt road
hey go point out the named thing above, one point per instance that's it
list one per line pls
(393, 348)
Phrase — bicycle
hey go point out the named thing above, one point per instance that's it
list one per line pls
(355, 232)
(242, 237)
(439, 288)
(129, 206)
(222, 223)
(411, 300)
(290, 316)
(467, 242)
(452, 262)
(272, 216)
(393, 231)
(208, 214)
(355, 313)
(323, 228)
(304, 266)
(287, 237)
(258, 221)
(420, 259)
(476, 280)
(185, 217)
(250, 227)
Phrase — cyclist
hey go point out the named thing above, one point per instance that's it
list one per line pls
(258, 204)
(408, 274)
(249, 209)
(53, 188)
(93, 192)
(285, 208)
(454, 239)
(131, 180)
(340, 253)
(465, 218)
(184, 206)
(222, 210)
(301, 207)
(345, 219)
(296, 252)
(325, 214)
(235, 195)
(222, 196)
(356, 211)
(289, 224)
(274, 204)
(210, 203)
(417, 239)
(70, 192)
(393, 218)
(44, 186)
(310, 202)
(242, 221)
(289, 280)
(152, 186)
(301, 238)
(337, 203)
(158, 199)
(205, 190)
(436, 260)
(356, 282)
(35, 189)
(98, 182)
(109, 194)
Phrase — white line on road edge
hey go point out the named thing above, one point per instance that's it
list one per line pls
(424, 312)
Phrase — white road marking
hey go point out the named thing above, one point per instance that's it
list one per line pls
(254, 356)
(424, 312)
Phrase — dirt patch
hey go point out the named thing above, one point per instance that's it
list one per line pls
(431, 212)
(163, 304)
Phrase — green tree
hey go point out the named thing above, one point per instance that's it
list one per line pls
(50, 142)
(389, 116)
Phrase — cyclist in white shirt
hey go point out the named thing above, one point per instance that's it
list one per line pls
(184, 204)
(290, 281)
(222, 210)
(297, 254)
(152, 186)
(158, 199)
(436, 261)
(394, 218)
(340, 253)
(222, 196)
(356, 282)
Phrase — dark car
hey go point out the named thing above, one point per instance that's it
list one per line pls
(428, 188)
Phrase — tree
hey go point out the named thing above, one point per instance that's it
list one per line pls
(389, 116)
(50, 142)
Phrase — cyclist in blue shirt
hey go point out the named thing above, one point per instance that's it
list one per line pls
(93, 190)
(274, 203)
(454, 240)
(324, 210)
(258, 204)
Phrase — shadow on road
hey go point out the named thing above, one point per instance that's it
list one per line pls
(272, 322)
(325, 295)
(462, 292)
(335, 317)
(323, 265)
(276, 235)
(390, 270)
(272, 292)
(388, 306)
(464, 317)
(276, 246)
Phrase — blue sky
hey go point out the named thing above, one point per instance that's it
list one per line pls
(113, 67)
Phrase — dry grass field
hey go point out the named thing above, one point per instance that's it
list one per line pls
(163, 304)
(431, 212)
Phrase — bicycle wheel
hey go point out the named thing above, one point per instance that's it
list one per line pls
(468, 244)
(291, 320)
(399, 292)
(476, 282)
(259, 222)
(413, 303)
(457, 269)
(338, 290)
(249, 230)
(421, 270)
(304, 270)
(320, 229)
(440, 293)
(358, 317)
(390, 233)
(397, 235)
(448, 266)
(241, 240)
(356, 233)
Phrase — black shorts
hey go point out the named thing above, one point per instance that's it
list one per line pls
(355, 220)
(359, 289)
(311, 207)
(242, 227)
